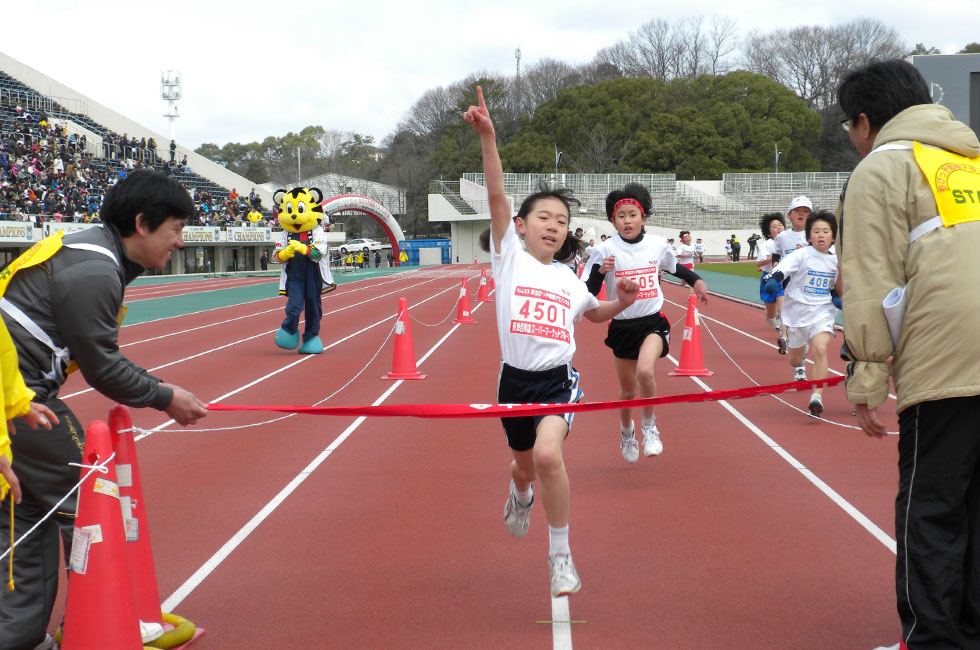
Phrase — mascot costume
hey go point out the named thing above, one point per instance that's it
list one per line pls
(302, 250)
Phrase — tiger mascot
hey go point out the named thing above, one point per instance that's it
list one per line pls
(302, 250)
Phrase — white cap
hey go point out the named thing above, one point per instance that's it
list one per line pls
(800, 202)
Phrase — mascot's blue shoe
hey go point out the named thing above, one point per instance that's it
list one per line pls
(313, 346)
(287, 341)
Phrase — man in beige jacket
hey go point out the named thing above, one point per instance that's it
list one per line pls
(909, 218)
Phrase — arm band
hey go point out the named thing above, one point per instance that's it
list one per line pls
(778, 276)
(685, 274)
(595, 280)
(775, 259)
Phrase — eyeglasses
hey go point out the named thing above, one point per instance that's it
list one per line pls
(846, 124)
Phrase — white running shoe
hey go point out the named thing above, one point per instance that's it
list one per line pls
(890, 647)
(151, 631)
(799, 373)
(651, 441)
(564, 577)
(629, 447)
(46, 644)
(781, 344)
(816, 405)
(517, 516)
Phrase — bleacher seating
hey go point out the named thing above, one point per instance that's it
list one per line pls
(68, 171)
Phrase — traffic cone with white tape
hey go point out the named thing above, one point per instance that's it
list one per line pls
(403, 362)
(463, 312)
(137, 532)
(692, 363)
(484, 293)
(100, 610)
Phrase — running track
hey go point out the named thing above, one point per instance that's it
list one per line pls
(758, 527)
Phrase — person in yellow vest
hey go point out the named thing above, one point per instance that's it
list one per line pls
(62, 305)
(909, 221)
(403, 257)
(360, 260)
(16, 404)
(253, 216)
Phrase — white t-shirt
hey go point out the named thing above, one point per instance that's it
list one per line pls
(537, 306)
(641, 262)
(682, 248)
(812, 275)
(788, 241)
(699, 248)
(765, 250)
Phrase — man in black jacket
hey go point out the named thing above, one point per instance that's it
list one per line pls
(65, 309)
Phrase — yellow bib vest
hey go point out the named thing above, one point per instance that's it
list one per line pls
(955, 183)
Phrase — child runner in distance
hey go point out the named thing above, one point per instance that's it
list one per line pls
(771, 225)
(640, 334)
(810, 306)
(790, 240)
(684, 250)
(539, 300)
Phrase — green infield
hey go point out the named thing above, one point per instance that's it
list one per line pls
(745, 269)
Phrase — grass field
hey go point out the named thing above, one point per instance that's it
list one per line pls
(745, 269)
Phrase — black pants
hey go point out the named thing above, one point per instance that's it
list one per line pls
(736, 252)
(937, 524)
(41, 463)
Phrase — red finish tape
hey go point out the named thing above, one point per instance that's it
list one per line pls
(505, 410)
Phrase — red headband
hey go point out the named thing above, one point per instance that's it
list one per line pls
(629, 201)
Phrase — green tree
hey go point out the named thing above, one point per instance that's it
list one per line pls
(972, 48)
(922, 49)
(700, 127)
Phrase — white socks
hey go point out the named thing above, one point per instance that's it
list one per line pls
(525, 497)
(558, 541)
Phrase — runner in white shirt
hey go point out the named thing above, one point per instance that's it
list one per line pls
(538, 302)
(771, 225)
(699, 249)
(640, 334)
(684, 251)
(789, 241)
(810, 307)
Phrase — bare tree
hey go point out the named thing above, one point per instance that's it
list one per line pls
(599, 152)
(722, 39)
(546, 78)
(811, 60)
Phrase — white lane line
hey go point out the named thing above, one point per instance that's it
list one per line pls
(561, 624)
(215, 560)
(832, 494)
(261, 334)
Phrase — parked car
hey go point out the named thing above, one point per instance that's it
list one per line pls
(365, 245)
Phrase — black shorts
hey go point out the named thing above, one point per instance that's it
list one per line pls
(626, 335)
(557, 385)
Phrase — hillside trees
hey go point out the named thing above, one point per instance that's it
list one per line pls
(699, 127)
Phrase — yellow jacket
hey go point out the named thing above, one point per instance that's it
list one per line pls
(16, 395)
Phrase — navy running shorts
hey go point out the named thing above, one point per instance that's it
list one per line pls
(626, 335)
(558, 385)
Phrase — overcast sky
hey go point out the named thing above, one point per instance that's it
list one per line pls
(252, 69)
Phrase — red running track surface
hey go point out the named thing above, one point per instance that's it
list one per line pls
(319, 532)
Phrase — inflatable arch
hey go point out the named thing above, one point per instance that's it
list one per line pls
(372, 208)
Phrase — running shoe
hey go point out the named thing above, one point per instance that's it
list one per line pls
(651, 441)
(782, 344)
(46, 644)
(629, 447)
(517, 516)
(799, 373)
(564, 577)
(816, 405)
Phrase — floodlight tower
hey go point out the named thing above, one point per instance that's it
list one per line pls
(170, 92)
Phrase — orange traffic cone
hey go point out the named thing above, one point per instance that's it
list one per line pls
(692, 364)
(484, 294)
(138, 547)
(491, 283)
(403, 363)
(463, 313)
(100, 612)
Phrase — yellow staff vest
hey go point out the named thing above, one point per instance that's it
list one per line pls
(955, 183)
(38, 254)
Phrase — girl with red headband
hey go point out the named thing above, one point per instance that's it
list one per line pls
(538, 302)
(639, 335)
